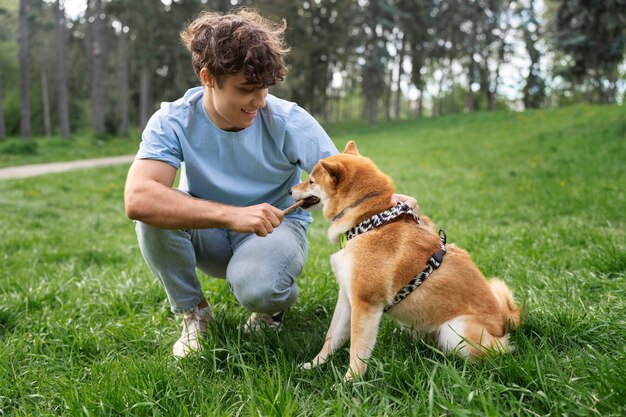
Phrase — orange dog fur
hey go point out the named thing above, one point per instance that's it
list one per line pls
(456, 305)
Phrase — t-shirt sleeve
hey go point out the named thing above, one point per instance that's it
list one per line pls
(159, 141)
(306, 141)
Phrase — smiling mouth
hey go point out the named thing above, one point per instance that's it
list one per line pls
(309, 202)
(248, 111)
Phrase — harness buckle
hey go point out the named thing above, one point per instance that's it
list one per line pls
(437, 258)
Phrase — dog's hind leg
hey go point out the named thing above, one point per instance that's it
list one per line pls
(338, 331)
(364, 329)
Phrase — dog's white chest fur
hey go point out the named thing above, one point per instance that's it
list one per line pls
(341, 262)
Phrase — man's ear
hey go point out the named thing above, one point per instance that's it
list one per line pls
(351, 148)
(336, 171)
(207, 78)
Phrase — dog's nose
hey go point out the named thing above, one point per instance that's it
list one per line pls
(290, 191)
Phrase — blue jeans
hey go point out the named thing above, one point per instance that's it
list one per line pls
(260, 271)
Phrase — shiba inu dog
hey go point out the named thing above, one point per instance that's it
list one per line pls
(388, 247)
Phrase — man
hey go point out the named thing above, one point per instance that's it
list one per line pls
(242, 150)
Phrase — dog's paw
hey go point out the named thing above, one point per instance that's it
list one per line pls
(307, 365)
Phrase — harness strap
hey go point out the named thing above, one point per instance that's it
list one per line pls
(381, 218)
(433, 263)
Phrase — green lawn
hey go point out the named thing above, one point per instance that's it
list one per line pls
(537, 198)
(16, 151)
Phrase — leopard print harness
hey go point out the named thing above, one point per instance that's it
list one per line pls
(379, 219)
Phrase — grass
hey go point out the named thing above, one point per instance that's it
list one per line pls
(537, 198)
(17, 151)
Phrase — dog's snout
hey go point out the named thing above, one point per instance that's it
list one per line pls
(290, 191)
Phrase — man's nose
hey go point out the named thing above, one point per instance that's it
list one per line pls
(259, 99)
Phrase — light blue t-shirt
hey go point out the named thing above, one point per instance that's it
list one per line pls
(256, 165)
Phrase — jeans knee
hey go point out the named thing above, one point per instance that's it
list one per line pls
(151, 236)
(264, 297)
(146, 232)
(143, 229)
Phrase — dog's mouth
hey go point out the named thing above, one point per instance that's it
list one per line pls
(309, 201)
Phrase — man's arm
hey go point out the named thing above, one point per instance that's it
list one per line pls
(150, 198)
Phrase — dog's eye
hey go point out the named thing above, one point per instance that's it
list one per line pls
(310, 182)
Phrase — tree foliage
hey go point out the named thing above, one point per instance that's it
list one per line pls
(593, 35)
(117, 59)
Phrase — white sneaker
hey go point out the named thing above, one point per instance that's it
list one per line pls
(195, 325)
(258, 321)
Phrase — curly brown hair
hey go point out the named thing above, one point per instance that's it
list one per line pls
(243, 40)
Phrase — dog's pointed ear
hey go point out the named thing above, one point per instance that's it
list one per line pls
(336, 171)
(351, 148)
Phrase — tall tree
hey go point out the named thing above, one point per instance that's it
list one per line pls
(25, 123)
(45, 100)
(98, 69)
(593, 34)
(3, 129)
(321, 31)
(61, 70)
(487, 24)
(416, 22)
(376, 24)
(450, 44)
(123, 80)
(534, 88)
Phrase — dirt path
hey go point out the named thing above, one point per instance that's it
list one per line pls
(25, 171)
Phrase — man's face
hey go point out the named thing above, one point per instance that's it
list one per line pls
(235, 104)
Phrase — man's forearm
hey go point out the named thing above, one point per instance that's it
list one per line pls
(164, 207)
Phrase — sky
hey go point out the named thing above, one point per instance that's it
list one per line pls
(74, 8)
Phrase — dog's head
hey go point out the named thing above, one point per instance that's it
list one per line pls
(341, 182)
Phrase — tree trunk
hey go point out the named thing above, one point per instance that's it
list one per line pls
(471, 79)
(473, 67)
(25, 127)
(348, 102)
(612, 87)
(338, 105)
(440, 93)
(3, 129)
(124, 82)
(398, 102)
(372, 109)
(388, 96)
(484, 83)
(494, 92)
(330, 103)
(420, 104)
(88, 42)
(97, 73)
(64, 118)
(144, 96)
(45, 100)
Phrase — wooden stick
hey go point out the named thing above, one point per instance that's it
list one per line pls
(293, 207)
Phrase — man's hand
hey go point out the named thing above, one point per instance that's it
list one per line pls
(409, 201)
(261, 219)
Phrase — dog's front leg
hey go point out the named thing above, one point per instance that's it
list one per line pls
(364, 329)
(338, 331)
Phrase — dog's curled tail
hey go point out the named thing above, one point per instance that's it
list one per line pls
(507, 304)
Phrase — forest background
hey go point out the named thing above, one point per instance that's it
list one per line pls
(105, 65)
